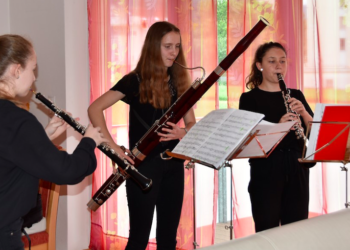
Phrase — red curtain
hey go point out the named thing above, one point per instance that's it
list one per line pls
(285, 26)
(116, 33)
(315, 34)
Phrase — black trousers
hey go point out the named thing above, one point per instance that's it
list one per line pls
(11, 236)
(165, 194)
(279, 190)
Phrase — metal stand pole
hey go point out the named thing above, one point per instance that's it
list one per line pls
(188, 166)
(230, 227)
(343, 168)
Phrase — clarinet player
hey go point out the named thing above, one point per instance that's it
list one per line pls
(150, 89)
(279, 184)
(26, 152)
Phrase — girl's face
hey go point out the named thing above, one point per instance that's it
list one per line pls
(26, 77)
(274, 61)
(170, 47)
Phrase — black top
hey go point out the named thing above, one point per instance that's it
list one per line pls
(271, 104)
(129, 85)
(27, 155)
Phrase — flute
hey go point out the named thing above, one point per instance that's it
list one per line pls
(124, 170)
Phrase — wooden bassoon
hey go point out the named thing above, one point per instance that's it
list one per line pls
(150, 140)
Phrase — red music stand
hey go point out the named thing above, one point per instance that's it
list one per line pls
(330, 138)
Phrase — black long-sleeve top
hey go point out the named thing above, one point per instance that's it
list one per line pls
(271, 104)
(129, 85)
(27, 155)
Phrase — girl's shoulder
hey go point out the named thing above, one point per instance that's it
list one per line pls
(256, 92)
(295, 90)
(251, 92)
(128, 84)
(131, 79)
(8, 108)
(15, 116)
(296, 93)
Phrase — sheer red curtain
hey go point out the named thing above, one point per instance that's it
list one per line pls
(326, 80)
(116, 33)
(315, 34)
(285, 18)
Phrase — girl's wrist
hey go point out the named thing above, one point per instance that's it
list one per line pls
(185, 132)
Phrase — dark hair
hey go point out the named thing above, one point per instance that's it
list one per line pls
(254, 79)
(154, 88)
(14, 49)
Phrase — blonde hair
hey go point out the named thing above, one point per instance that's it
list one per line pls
(14, 49)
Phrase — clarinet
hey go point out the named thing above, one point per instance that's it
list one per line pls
(179, 108)
(299, 130)
(124, 170)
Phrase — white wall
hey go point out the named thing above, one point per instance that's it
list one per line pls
(77, 102)
(42, 22)
(58, 31)
(4, 17)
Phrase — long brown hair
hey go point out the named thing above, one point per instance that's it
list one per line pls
(14, 49)
(254, 79)
(154, 88)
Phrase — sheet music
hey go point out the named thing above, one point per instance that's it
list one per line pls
(269, 134)
(218, 134)
(203, 129)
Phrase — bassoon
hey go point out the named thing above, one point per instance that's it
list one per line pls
(150, 140)
(179, 108)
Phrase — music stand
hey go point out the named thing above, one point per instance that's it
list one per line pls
(255, 145)
(336, 144)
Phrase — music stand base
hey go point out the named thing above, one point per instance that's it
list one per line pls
(191, 165)
(230, 227)
(343, 168)
(195, 244)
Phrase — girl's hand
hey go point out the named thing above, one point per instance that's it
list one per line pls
(289, 117)
(123, 153)
(55, 127)
(297, 106)
(95, 134)
(172, 133)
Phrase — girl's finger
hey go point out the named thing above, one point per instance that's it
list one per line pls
(171, 124)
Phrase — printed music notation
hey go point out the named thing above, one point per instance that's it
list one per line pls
(217, 135)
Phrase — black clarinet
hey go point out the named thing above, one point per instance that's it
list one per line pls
(125, 169)
(299, 130)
